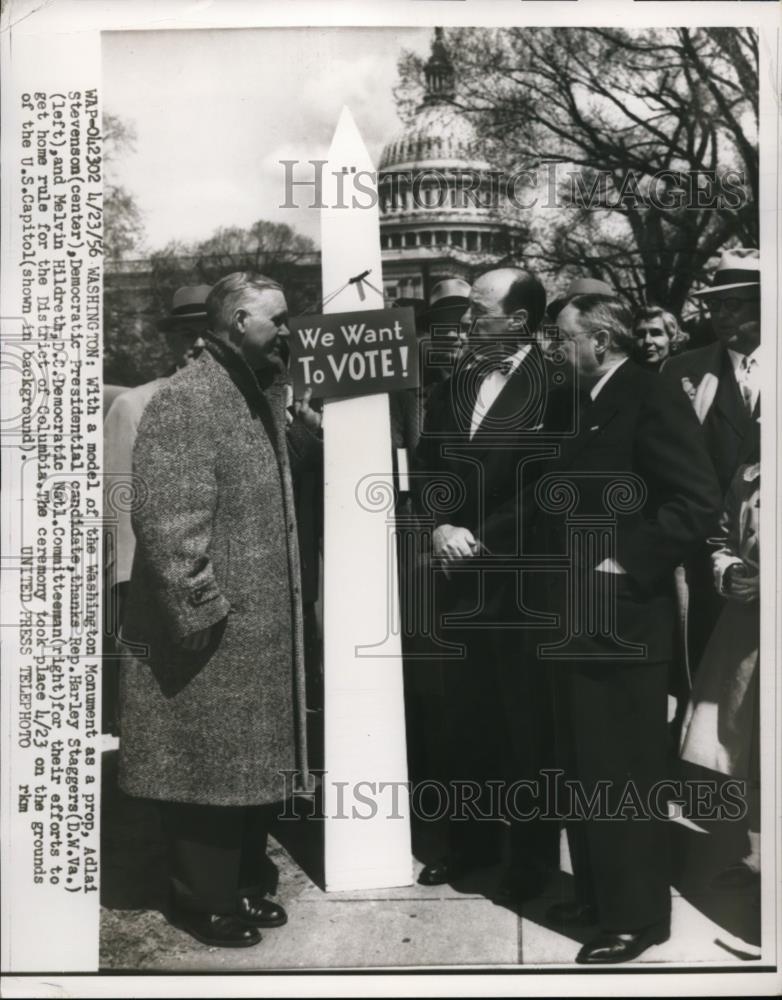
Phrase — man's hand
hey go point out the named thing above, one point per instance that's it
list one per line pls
(197, 641)
(739, 585)
(311, 419)
(451, 543)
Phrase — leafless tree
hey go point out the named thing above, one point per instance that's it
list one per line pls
(654, 134)
(123, 225)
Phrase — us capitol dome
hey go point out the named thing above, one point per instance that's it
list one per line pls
(441, 205)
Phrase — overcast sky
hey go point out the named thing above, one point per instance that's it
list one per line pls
(215, 112)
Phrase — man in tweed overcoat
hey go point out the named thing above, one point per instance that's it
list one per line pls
(213, 623)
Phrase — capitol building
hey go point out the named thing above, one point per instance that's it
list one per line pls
(441, 204)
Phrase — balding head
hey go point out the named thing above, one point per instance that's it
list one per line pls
(506, 306)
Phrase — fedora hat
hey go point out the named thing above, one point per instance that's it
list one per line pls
(579, 286)
(738, 268)
(448, 302)
(189, 303)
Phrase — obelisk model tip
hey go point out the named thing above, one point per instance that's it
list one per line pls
(347, 142)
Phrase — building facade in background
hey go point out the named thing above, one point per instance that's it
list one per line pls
(444, 211)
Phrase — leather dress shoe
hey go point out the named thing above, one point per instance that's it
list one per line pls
(611, 949)
(446, 870)
(260, 912)
(572, 914)
(221, 930)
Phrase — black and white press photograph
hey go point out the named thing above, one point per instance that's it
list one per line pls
(431, 555)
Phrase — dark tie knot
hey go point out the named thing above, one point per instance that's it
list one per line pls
(503, 367)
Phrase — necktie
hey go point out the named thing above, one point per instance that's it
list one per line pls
(745, 379)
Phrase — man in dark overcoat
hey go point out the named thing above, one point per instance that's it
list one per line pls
(630, 495)
(213, 625)
(722, 382)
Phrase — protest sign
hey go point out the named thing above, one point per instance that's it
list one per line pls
(354, 354)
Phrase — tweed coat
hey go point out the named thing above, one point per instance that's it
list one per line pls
(216, 546)
(119, 436)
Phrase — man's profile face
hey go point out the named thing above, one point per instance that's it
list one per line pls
(485, 318)
(185, 340)
(652, 340)
(576, 343)
(735, 316)
(262, 320)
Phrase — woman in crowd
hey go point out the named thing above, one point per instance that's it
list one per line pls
(657, 337)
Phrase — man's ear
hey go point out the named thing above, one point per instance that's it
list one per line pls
(238, 319)
(602, 340)
(518, 322)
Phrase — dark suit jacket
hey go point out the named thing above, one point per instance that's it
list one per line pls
(707, 379)
(481, 483)
(638, 463)
(482, 478)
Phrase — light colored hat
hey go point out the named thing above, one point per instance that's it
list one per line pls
(738, 268)
(579, 286)
(189, 303)
(449, 288)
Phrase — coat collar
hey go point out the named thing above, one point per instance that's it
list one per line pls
(610, 401)
(233, 361)
(729, 402)
(703, 361)
(705, 371)
(714, 357)
(246, 381)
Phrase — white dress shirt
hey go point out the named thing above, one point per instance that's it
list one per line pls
(607, 565)
(746, 368)
(491, 386)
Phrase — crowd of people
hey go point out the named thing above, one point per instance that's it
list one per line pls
(596, 556)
